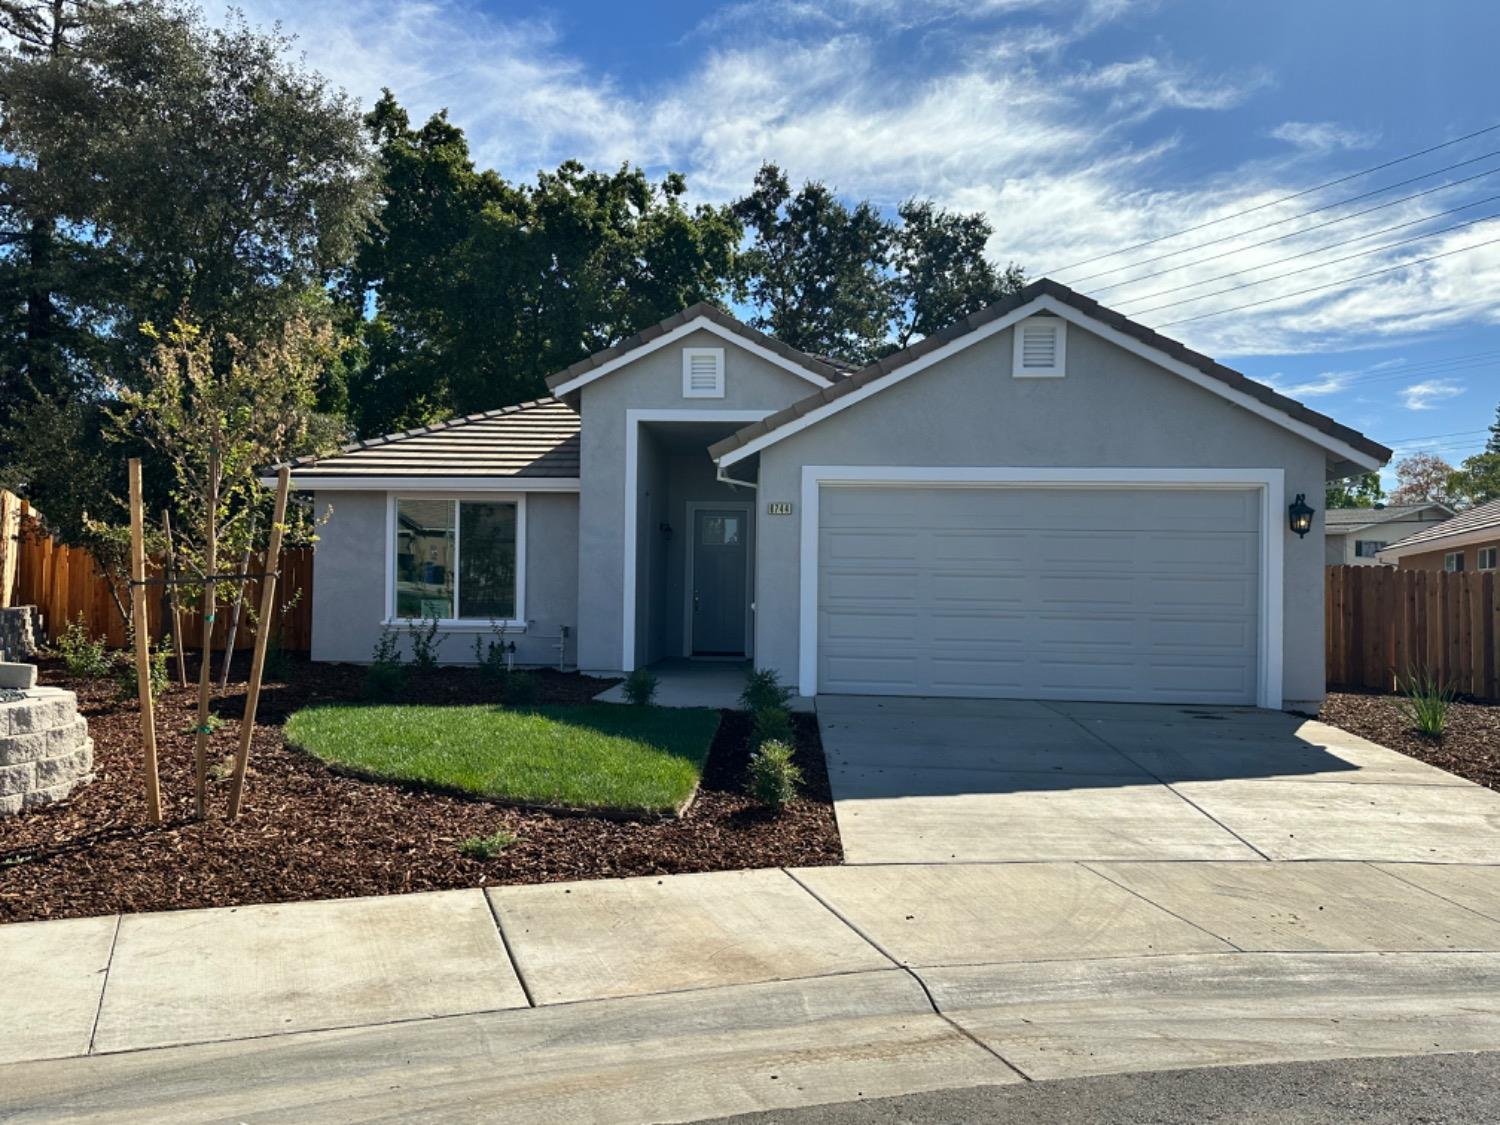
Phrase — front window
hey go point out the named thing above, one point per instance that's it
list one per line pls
(456, 559)
(1453, 561)
(1368, 548)
(1488, 557)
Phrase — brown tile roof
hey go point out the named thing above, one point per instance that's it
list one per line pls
(814, 364)
(531, 439)
(1484, 517)
(1089, 307)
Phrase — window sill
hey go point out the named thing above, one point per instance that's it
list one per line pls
(455, 625)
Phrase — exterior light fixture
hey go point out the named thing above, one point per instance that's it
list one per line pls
(1300, 515)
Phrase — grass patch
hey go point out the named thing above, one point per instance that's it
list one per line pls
(595, 756)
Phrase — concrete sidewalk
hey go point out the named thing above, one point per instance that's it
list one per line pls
(691, 996)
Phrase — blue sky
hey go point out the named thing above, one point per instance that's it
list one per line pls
(1079, 126)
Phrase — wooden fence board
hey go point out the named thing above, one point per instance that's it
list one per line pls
(1385, 623)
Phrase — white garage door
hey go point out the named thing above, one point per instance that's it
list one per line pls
(1134, 594)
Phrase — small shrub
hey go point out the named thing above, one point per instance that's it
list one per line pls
(640, 687)
(214, 723)
(493, 656)
(128, 684)
(385, 677)
(486, 847)
(774, 777)
(519, 689)
(83, 655)
(425, 643)
(763, 690)
(772, 724)
(1427, 702)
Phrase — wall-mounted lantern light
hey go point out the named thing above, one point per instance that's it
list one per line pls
(1300, 515)
(666, 531)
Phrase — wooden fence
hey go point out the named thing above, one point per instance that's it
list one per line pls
(1382, 623)
(64, 582)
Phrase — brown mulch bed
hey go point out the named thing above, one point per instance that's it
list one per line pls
(307, 832)
(1470, 747)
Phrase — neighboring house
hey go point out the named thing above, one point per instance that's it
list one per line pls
(1354, 536)
(1468, 541)
(1044, 500)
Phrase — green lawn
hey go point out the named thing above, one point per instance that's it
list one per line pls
(596, 756)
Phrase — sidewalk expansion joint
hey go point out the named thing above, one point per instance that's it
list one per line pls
(510, 955)
(104, 985)
(909, 971)
(1158, 906)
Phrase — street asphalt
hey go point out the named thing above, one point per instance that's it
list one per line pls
(1422, 1090)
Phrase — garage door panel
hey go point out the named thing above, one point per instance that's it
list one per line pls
(1112, 594)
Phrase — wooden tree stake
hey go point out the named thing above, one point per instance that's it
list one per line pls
(211, 562)
(142, 641)
(239, 603)
(262, 636)
(171, 575)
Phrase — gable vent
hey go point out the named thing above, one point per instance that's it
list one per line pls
(1041, 345)
(702, 372)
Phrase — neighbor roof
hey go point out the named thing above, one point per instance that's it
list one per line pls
(1347, 519)
(1480, 523)
(1045, 287)
(530, 441)
(819, 370)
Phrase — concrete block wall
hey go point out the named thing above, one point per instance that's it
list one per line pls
(45, 749)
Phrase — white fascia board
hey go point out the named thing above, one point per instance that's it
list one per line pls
(1089, 324)
(698, 323)
(315, 483)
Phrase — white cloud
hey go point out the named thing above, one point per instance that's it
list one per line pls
(981, 105)
(1422, 396)
(1326, 383)
(1322, 136)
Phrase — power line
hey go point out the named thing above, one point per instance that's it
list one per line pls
(1300, 215)
(1333, 284)
(1283, 199)
(1317, 226)
(1305, 269)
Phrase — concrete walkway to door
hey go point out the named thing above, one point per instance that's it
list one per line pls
(953, 781)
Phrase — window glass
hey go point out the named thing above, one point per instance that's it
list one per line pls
(424, 558)
(1368, 548)
(1454, 561)
(721, 531)
(1488, 558)
(487, 560)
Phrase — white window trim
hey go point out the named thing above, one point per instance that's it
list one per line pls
(693, 508)
(1343, 449)
(1269, 483)
(1493, 552)
(690, 354)
(1449, 556)
(633, 420)
(1059, 368)
(457, 624)
(697, 324)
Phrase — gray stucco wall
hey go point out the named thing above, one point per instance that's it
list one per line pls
(1113, 409)
(652, 382)
(349, 580)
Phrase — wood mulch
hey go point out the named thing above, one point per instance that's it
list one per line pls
(307, 832)
(1470, 747)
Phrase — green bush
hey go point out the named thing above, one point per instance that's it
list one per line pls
(640, 687)
(425, 643)
(128, 683)
(83, 655)
(520, 689)
(492, 656)
(486, 847)
(385, 677)
(1427, 702)
(772, 724)
(763, 691)
(774, 777)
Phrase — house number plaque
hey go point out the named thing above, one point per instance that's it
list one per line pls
(779, 508)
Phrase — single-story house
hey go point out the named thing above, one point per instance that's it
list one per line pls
(1468, 541)
(1044, 500)
(1355, 536)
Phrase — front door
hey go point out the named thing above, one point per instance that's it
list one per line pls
(721, 554)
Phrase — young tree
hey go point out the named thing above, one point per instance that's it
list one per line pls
(1476, 480)
(1420, 478)
(1363, 491)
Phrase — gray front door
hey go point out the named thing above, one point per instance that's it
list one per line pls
(721, 552)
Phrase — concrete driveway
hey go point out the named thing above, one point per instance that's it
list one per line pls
(956, 781)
